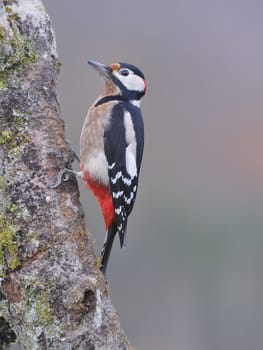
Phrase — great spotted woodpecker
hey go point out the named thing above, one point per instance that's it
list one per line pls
(111, 148)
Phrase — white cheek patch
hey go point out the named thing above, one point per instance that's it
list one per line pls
(132, 82)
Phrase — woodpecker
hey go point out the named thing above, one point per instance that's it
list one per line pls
(111, 148)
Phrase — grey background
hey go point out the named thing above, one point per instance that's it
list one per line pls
(191, 275)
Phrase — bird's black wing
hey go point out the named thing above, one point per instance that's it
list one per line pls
(123, 183)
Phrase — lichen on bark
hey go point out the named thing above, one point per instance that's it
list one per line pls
(52, 295)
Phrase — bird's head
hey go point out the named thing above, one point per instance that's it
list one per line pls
(122, 79)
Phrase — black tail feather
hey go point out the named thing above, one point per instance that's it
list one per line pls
(105, 253)
(122, 236)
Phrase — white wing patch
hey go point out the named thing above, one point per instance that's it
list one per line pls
(131, 165)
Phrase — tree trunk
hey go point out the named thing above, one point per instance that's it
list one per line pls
(53, 295)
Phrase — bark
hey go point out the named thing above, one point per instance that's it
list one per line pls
(52, 293)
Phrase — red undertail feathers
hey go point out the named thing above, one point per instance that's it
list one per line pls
(102, 193)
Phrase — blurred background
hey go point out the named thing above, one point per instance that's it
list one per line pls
(191, 275)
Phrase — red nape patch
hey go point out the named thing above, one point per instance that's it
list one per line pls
(103, 196)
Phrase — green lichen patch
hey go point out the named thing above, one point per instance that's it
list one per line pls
(13, 138)
(14, 135)
(11, 15)
(8, 10)
(2, 84)
(3, 35)
(43, 308)
(20, 119)
(21, 53)
(36, 295)
(2, 183)
(13, 208)
(7, 138)
(9, 244)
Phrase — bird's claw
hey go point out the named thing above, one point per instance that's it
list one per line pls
(63, 176)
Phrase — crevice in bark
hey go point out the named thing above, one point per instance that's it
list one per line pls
(7, 335)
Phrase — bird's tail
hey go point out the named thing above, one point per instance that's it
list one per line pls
(106, 250)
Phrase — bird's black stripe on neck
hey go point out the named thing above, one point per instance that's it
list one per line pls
(106, 99)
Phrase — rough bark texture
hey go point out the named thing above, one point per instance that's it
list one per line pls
(52, 293)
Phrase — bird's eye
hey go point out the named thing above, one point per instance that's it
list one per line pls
(124, 72)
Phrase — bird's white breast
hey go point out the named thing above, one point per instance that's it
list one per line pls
(92, 153)
(97, 167)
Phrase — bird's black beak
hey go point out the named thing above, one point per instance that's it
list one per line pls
(104, 70)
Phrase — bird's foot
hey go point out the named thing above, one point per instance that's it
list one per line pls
(64, 175)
